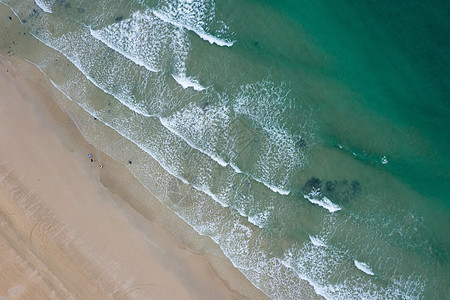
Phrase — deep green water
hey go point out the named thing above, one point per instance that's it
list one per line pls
(309, 139)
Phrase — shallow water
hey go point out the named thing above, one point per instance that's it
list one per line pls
(308, 139)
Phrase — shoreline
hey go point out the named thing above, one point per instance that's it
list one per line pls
(103, 232)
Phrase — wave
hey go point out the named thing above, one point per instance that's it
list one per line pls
(132, 106)
(202, 34)
(235, 168)
(273, 188)
(44, 5)
(187, 82)
(219, 160)
(147, 41)
(133, 37)
(317, 242)
(194, 120)
(260, 219)
(142, 39)
(333, 275)
(316, 197)
(136, 108)
(363, 267)
(97, 34)
(219, 126)
(277, 189)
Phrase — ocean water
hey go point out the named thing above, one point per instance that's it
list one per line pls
(308, 139)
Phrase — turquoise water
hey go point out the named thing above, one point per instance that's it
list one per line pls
(309, 139)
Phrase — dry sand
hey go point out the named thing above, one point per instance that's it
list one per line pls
(63, 233)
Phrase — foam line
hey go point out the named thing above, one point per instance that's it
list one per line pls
(136, 60)
(277, 189)
(324, 202)
(187, 82)
(363, 267)
(217, 159)
(45, 7)
(203, 35)
(317, 242)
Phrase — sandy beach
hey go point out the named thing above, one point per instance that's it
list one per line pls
(64, 234)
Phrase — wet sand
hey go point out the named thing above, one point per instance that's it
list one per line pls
(72, 229)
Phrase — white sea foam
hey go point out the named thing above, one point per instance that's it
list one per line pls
(317, 242)
(166, 122)
(78, 64)
(315, 264)
(187, 82)
(44, 5)
(213, 196)
(235, 168)
(128, 104)
(316, 197)
(363, 267)
(200, 32)
(277, 189)
(278, 153)
(148, 41)
(96, 34)
(260, 219)
(142, 38)
(209, 130)
(267, 106)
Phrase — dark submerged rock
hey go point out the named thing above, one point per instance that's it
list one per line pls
(356, 187)
(339, 192)
(34, 13)
(342, 191)
(205, 105)
(301, 143)
(330, 186)
(313, 183)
